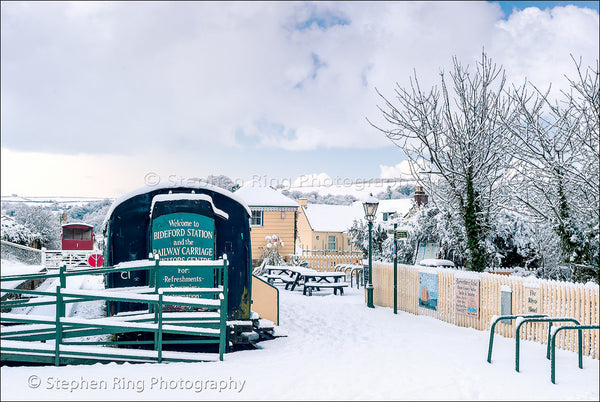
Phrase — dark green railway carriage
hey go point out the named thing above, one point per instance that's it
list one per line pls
(216, 220)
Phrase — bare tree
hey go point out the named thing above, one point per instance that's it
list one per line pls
(458, 136)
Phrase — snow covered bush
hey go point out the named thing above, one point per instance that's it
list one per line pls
(39, 219)
(271, 254)
(17, 233)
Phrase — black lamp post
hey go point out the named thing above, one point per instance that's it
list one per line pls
(370, 206)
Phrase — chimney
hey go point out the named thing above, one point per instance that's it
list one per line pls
(420, 197)
(303, 202)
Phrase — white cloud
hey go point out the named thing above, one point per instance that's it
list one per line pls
(400, 170)
(171, 83)
(197, 73)
(313, 180)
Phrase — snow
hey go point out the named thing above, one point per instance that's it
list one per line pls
(63, 201)
(193, 263)
(167, 185)
(332, 218)
(193, 197)
(77, 223)
(258, 196)
(400, 206)
(436, 262)
(505, 288)
(13, 267)
(324, 185)
(336, 349)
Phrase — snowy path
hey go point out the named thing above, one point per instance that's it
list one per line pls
(336, 348)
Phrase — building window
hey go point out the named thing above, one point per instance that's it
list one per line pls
(77, 234)
(385, 216)
(257, 218)
(331, 242)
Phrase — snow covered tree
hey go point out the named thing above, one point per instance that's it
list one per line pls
(15, 232)
(222, 181)
(359, 233)
(314, 197)
(458, 136)
(396, 192)
(92, 213)
(40, 220)
(556, 164)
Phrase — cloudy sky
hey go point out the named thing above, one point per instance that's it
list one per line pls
(95, 96)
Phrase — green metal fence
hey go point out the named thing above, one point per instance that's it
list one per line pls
(24, 335)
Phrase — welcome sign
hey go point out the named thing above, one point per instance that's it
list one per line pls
(183, 237)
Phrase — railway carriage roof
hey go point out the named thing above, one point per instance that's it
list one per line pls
(166, 185)
(77, 224)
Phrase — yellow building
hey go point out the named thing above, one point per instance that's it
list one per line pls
(272, 214)
(323, 228)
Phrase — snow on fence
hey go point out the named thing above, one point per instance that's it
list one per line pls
(556, 299)
(14, 251)
(46, 258)
(70, 258)
(328, 262)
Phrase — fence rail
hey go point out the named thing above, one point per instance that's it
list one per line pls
(209, 319)
(557, 299)
(45, 257)
(328, 262)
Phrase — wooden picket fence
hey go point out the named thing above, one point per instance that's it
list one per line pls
(328, 262)
(557, 299)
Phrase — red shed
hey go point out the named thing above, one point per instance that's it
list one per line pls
(77, 236)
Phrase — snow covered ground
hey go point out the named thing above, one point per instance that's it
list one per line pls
(335, 349)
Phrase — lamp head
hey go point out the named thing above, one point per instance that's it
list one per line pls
(370, 206)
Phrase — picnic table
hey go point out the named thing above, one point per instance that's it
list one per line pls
(281, 273)
(315, 280)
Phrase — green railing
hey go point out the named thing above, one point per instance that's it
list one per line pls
(551, 350)
(505, 317)
(552, 342)
(549, 320)
(210, 325)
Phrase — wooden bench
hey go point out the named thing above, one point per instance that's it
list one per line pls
(310, 285)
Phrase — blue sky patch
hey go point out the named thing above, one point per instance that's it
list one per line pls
(508, 6)
(324, 20)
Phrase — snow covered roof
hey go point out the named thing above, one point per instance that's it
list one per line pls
(436, 262)
(78, 224)
(332, 218)
(167, 185)
(401, 206)
(180, 196)
(256, 196)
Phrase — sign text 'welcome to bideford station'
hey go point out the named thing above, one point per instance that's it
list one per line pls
(183, 237)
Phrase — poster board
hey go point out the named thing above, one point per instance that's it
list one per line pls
(467, 296)
(532, 299)
(428, 290)
(427, 251)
